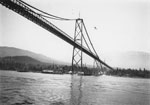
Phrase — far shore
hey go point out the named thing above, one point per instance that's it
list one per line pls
(70, 74)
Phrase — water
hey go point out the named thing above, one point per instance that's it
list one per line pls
(18, 88)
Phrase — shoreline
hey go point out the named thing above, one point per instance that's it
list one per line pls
(136, 77)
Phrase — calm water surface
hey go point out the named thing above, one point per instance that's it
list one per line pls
(18, 88)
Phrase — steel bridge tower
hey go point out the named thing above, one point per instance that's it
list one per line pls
(77, 56)
(77, 60)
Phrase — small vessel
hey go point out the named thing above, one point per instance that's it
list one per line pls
(48, 71)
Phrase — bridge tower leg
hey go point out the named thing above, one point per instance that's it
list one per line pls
(77, 60)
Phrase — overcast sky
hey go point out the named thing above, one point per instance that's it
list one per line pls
(121, 25)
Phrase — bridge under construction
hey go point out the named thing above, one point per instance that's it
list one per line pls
(40, 18)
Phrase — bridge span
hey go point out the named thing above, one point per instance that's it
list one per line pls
(22, 8)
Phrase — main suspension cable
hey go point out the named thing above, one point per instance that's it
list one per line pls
(90, 40)
(52, 16)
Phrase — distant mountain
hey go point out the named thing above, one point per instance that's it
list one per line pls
(20, 59)
(11, 51)
(132, 59)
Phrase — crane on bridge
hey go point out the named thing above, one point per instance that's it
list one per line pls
(31, 14)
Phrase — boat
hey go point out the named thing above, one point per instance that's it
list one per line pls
(48, 71)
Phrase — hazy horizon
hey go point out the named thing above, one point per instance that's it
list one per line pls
(131, 59)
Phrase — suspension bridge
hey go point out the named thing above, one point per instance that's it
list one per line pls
(40, 18)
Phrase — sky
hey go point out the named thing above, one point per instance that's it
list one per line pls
(121, 26)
